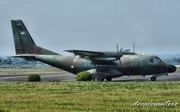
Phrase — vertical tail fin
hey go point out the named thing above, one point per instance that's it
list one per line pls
(24, 44)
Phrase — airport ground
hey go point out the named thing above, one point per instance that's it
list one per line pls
(53, 74)
(59, 91)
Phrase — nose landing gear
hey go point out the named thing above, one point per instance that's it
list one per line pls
(153, 78)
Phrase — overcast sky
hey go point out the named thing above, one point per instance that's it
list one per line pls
(98, 25)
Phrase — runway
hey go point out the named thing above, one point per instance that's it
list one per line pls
(70, 77)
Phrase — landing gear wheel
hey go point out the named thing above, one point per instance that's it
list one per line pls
(153, 78)
(93, 79)
(108, 79)
(100, 79)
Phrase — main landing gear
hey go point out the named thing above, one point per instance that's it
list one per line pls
(153, 78)
(102, 79)
(109, 79)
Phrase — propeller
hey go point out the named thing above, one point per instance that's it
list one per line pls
(118, 52)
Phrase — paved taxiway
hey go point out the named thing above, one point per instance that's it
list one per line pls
(70, 77)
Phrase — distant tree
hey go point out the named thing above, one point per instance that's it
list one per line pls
(8, 61)
(34, 78)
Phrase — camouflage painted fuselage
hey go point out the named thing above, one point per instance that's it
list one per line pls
(127, 65)
(100, 64)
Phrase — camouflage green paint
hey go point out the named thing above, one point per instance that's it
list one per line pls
(127, 65)
(141, 65)
(97, 63)
(24, 44)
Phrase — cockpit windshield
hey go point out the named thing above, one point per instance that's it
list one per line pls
(155, 60)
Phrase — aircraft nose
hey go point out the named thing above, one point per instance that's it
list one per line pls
(171, 68)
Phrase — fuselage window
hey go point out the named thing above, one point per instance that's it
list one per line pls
(158, 60)
(151, 61)
(87, 64)
(155, 60)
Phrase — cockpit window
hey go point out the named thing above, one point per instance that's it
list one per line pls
(155, 60)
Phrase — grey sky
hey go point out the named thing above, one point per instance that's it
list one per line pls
(154, 25)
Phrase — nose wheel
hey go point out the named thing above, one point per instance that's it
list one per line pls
(153, 78)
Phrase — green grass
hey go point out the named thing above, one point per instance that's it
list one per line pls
(5, 71)
(87, 96)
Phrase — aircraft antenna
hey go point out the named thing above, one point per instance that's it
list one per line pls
(42, 38)
(117, 48)
(133, 47)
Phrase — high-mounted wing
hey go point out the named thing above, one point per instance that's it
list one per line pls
(102, 55)
(96, 55)
(83, 53)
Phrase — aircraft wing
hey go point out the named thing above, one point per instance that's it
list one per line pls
(83, 53)
(101, 54)
(97, 55)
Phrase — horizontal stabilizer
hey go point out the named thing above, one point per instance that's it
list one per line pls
(27, 57)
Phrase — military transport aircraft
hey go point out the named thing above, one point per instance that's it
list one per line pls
(102, 65)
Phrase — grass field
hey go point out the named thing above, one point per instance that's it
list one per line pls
(88, 96)
(5, 71)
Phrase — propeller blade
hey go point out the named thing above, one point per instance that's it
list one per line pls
(121, 49)
(118, 52)
(117, 48)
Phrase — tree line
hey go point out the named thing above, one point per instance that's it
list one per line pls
(175, 61)
(19, 62)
